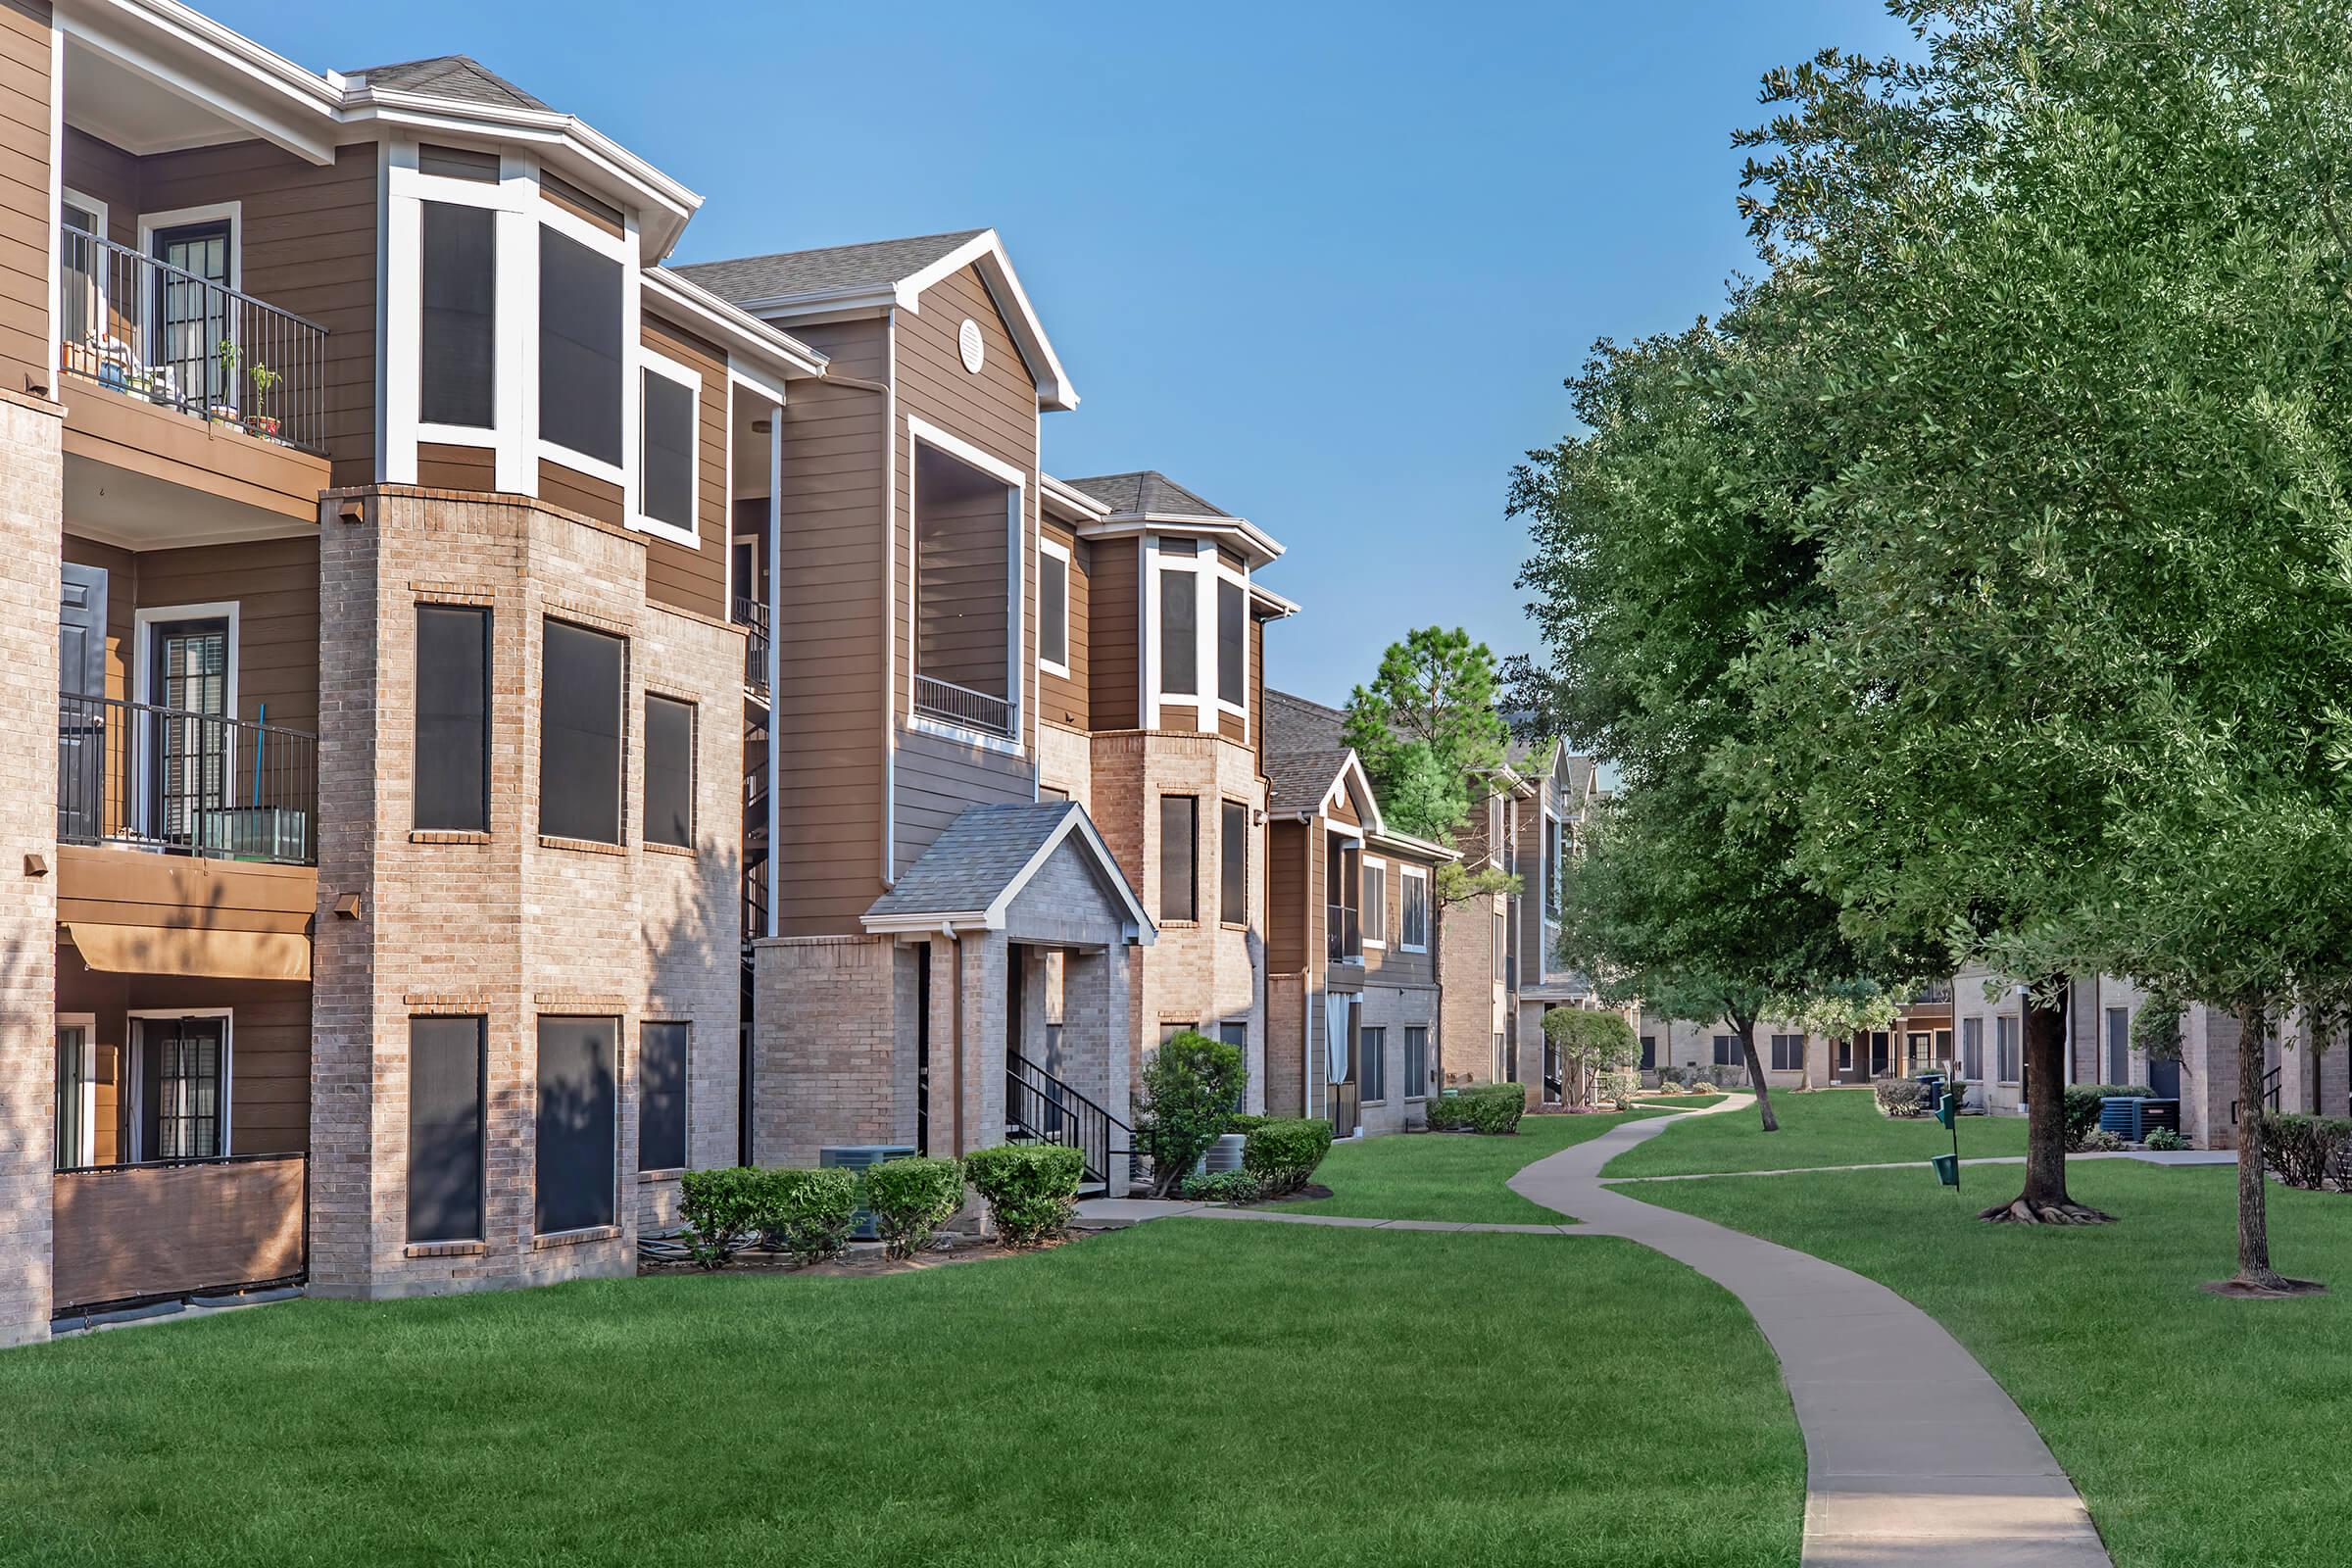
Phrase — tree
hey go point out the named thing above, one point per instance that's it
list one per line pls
(1427, 730)
(1192, 1087)
(1590, 1044)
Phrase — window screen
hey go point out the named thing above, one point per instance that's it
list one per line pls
(579, 347)
(1971, 1048)
(1416, 1062)
(2005, 1051)
(1052, 609)
(576, 1099)
(1232, 660)
(458, 336)
(668, 771)
(580, 735)
(1372, 1046)
(1235, 1032)
(1649, 1052)
(1233, 864)
(1728, 1052)
(1179, 857)
(1787, 1053)
(453, 718)
(1412, 924)
(445, 1129)
(1376, 902)
(662, 1097)
(667, 413)
(1179, 633)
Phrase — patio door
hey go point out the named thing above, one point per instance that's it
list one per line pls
(192, 312)
(183, 1088)
(1339, 1029)
(187, 743)
(1881, 1042)
(81, 707)
(76, 1096)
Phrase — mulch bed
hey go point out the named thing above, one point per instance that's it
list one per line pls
(863, 1260)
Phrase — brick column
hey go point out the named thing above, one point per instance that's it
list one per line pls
(31, 508)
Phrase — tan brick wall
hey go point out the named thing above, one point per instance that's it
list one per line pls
(825, 1038)
(1475, 1002)
(1390, 1010)
(509, 927)
(31, 505)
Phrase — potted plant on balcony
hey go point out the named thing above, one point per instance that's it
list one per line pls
(228, 356)
(264, 381)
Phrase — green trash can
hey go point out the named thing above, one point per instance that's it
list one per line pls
(1947, 1169)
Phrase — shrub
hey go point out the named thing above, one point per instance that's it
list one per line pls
(1901, 1097)
(1282, 1154)
(1241, 1122)
(912, 1197)
(1222, 1187)
(808, 1213)
(1620, 1085)
(1492, 1108)
(1667, 1087)
(1031, 1188)
(2081, 1102)
(721, 1209)
(2300, 1149)
(1189, 1090)
(1588, 1044)
(2100, 1141)
(2166, 1141)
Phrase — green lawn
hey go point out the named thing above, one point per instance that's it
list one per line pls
(2203, 1433)
(1456, 1176)
(1681, 1102)
(1183, 1393)
(1827, 1127)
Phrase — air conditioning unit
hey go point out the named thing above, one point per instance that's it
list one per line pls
(860, 1156)
(1223, 1155)
(256, 833)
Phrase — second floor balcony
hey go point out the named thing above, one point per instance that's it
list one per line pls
(178, 782)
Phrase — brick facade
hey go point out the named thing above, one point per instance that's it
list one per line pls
(508, 924)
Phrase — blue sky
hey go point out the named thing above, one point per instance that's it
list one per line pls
(1327, 266)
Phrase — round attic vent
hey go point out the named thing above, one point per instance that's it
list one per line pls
(968, 342)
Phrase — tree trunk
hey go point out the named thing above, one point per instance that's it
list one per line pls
(2254, 1271)
(2044, 1201)
(1755, 1073)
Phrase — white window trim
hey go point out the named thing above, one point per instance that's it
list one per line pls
(1017, 520)
(1211, 662)
(1060, 552)
(93, 204)
(143, 622)
(1158, 560)
(1405, 874)
(86, 1111)
(689, 535)
(1373, 863)
(1362, 1055)
(135, 1074)
(208, 213)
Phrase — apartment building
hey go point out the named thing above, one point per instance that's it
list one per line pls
(1556, 793)
(1477, 966)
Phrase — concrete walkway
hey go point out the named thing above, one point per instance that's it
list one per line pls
(2146, 1156)
(1915, 1457)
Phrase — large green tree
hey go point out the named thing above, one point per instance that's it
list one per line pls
(1428, 730)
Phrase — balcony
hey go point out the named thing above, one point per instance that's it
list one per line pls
(177, 1227)
(178, 782)
(963, 707)
(1341, 923)
(751, 615)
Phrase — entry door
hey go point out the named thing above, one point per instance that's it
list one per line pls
(183, 1083)
(188, 742)
(77, 1096)
(1880, 1043)
(81, 709)
(192, 319)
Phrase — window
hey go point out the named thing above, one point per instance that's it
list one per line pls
(188, 769)
(2005, 1051)
(2119, 1045)
(668, 771)
(580, 735)
(452, 719)
(577, 1100)
(1179, 631)
(445, 1129)
(1376, 903)
(1845, 1053)
(669, 404)
(185, 1079)
(1235, 1032)
(1233, 661)
(1169, 1031)
(1649, 1052)
(1233, 864)
(1787, 1053)
(1413, 923)
(1502, 943)
(662, 1096)
(1972, 1049)
(579, 347)
(1416, 1062)
(193, 320)
(76, 1094)
(1053, 607)
(1501, 1065)
(1728, 1052)
(457, 351)
(1179, 857)
(1372, 1052)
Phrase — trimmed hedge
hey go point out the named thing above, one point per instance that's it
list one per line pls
(1491, 1108)
(1282, 1154)
(2299, 1150)
(809, 1212)
(722, 1209)
(1031, 1188)
(2082, 1101)
(911, 1198)
(1222, 1187)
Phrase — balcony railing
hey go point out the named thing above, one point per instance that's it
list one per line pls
(177, 1227)
(163, 778)
(753, 614)
(951, 704)
(1345, 932)
(156, 331)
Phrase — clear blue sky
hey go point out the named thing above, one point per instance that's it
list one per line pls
(1327, 266)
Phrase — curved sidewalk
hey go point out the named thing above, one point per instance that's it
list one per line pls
(1915, 1457)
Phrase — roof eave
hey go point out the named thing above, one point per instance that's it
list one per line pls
(1261, 545)
(735, 329)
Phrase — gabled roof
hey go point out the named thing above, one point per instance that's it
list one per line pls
(1146, 500)
(972, 871)
(1297, 783)
(461, 77)
(1307, 759)
(1147, 493)
(891, 275)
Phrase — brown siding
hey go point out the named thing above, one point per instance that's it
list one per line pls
(121, 604)
(1343, 809)
(27, 355)
(578, 492)
(829, 707)
(695, 580)
(1393, 965)
(1233, 726)
(1063, 698)
(1115, 670)
(275, 583)
(451, 467)
(1185, 716)
(1257, 692)
(1287, 898)
(132, 433)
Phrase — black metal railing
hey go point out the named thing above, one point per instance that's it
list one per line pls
(1343, 932)
(2270, 1094)
(752, 614)
(196, 783)
(951, 704)
(1040, 1108)
(153, 331)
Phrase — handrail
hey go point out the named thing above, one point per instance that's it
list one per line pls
(200, 784)
(962, 705)
(1040, 1107)
(150, 330)
(2270, 1082)
(753, 614)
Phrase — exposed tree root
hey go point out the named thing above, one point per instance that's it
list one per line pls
(2023, 1212)
(2264, 1287)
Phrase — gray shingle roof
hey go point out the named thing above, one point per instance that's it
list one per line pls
(835, 267)
(1304, 750)
(459, 76)
(971, 862)
(1297, 781)
(1146, 491)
